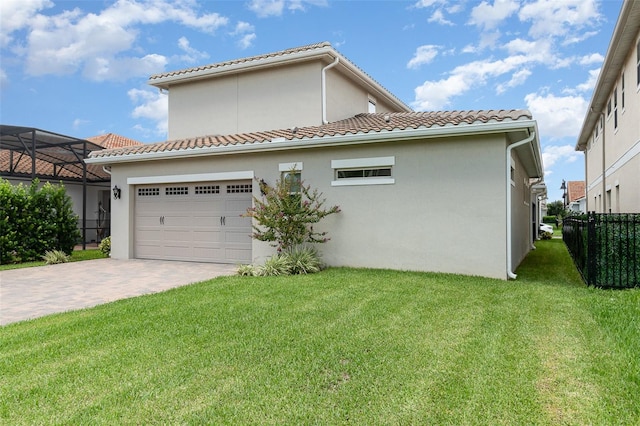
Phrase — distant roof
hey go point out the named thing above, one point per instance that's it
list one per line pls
(621, 44)
(361, 124)
(56, 156)
(322, 50)
(111, 140)
(576, 189)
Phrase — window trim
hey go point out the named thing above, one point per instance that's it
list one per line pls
(363, 163)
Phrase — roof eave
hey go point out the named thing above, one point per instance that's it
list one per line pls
(623, 38)
(280, 144)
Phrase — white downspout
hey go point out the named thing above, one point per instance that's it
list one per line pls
(510, 273)
(324, 88)
(105, 170)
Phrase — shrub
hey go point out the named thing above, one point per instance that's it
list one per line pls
(287, 212)
(303, 260)
(105, 246)
(55, 256)
(33, 219)
(546, 236)
(551, 220)
(276, 265)
(246, 270)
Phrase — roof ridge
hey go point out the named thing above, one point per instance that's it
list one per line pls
(220, 64)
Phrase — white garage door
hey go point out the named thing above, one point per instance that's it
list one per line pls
(197, 222)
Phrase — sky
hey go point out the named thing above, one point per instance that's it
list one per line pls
(80, 68)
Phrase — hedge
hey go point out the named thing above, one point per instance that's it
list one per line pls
(34, 220)
(551, 220)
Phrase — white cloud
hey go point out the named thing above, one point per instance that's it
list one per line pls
(424, 55)
(434, 95)
(590, 84)
(17, 14)
(552, 18)
(490, 16)
(151, 105)
(518, 78)
(267, 8)
(427, 3)
(557, 116)
(438, 18)
(553, 154)
(594, 58)
(4, 79)
(246, 41)
(77, 123)
(99, 44)
(190, 54)
(246, 31)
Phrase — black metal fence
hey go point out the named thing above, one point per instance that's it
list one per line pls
(605, 247)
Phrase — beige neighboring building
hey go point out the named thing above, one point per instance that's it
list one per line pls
(453, 191)
(610, 135)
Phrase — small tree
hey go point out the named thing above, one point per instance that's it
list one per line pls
(286, 213)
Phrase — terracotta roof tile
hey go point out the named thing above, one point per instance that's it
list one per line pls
(359, 124)
(576, 189)
(111, 140)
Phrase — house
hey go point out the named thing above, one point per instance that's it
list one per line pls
(452, 191)
(610, 135)
(55, 159)
(576, 200)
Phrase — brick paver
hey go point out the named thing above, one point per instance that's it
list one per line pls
(35, 292)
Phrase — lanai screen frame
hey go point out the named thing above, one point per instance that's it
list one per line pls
(62, 156)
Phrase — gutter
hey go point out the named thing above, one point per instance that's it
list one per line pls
(510, 273)
(324, 88)
(279, 144)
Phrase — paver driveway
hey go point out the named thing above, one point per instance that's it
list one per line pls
(35, 292)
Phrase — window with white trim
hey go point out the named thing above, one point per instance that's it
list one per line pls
(363, 171)
(615, 107)
(622, 90)
(638, 63)
(292, 174)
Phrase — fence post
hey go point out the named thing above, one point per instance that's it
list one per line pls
(591, 249)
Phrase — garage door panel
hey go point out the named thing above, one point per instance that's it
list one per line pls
(196, 221)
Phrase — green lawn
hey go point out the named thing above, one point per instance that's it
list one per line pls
(342, 346)
(76, 256)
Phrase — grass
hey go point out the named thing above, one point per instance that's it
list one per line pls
(342, 346)
(76, 256)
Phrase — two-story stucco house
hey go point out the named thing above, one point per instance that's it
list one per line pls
(610, 135)
(449, 191)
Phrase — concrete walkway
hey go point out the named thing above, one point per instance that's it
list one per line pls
(35, 292)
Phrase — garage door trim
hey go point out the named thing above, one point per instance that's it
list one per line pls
(200, 177)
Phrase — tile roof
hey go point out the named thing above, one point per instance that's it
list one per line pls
(111, 140)
(360, 124)
(576, 189)
(249, 59)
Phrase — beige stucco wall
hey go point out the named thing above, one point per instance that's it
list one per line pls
(445, 212)
(346, 99)
(260, 100)
(521, 214)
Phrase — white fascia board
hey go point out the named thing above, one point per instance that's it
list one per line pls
(198, 177)
(326, 141)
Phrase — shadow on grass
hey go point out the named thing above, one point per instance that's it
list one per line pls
(550, 263)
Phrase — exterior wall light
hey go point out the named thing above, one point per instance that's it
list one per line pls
(116, 192)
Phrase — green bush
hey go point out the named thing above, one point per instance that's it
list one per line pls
(546, 236)
(303, 260)
(246, 270)
(276, 265)
(55, 256)
(33, 220)
(105, 246)
(551, 220)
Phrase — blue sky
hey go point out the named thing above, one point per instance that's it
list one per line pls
(81, 67)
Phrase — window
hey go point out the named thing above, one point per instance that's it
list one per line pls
(615, 107)
(177, 190)
(622, 90)
(209, 189)
(363, 171)
(609, 108)
(239, 189)
(638, 63)
(372, 106)
(148, 192)
(292, 173)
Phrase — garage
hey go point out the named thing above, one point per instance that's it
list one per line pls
(198, 221)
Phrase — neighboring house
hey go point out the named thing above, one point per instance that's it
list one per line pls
(610, 135)
(576, 196)
(449, 191)
(55, 161)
